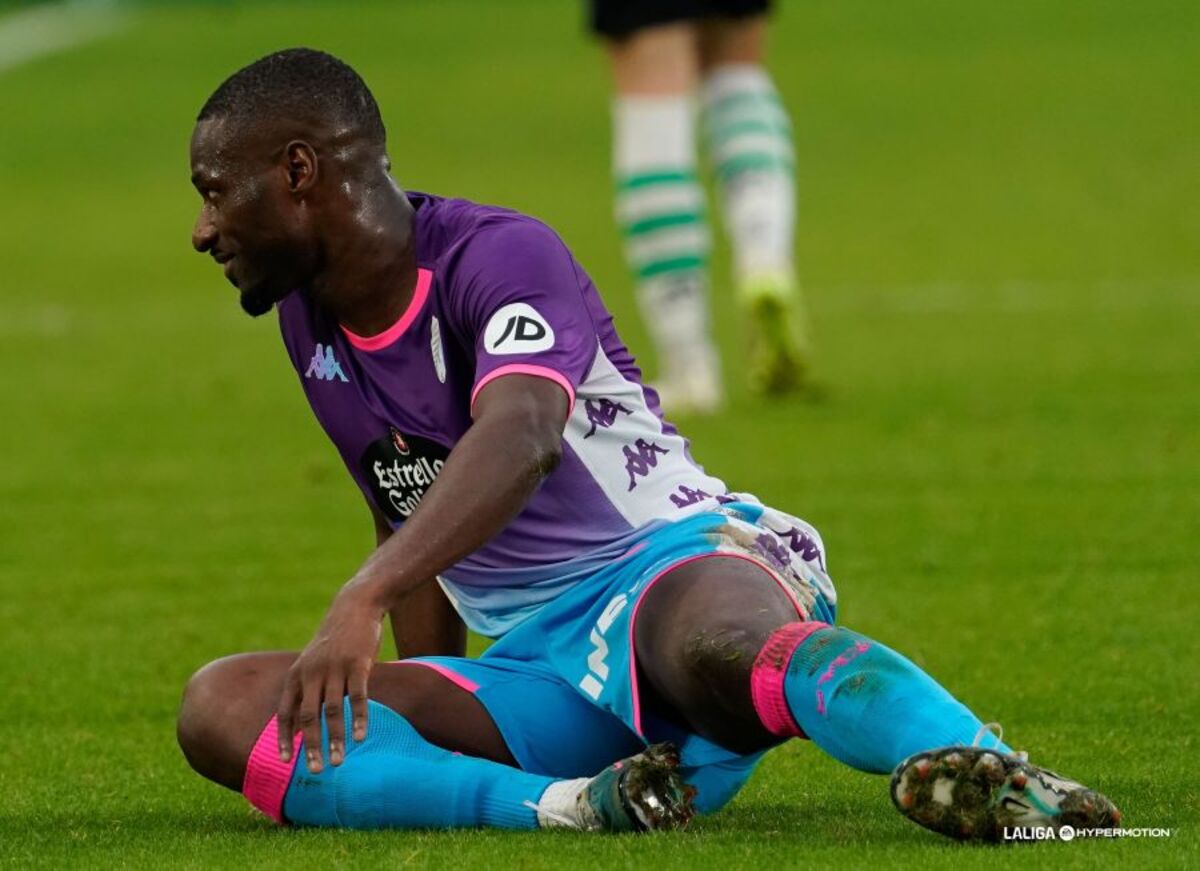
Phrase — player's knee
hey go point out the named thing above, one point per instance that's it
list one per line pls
(716, 660)
(197, 727)
(704, 676)
(720, 648)
(214, 728)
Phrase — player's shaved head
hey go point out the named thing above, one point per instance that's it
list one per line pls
(298, 86)
(289, 155)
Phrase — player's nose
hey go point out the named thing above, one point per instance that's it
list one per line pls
(204, 233)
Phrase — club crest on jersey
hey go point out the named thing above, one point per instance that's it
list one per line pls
(324, 366)
(399, 469)
(435, 348)
(400, 444)
(517, 328)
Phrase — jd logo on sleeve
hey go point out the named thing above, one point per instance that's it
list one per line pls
(517, 328)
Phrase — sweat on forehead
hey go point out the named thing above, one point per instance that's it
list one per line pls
(293, 85)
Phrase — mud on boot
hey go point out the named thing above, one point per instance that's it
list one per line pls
(638, 794)
(971, 793)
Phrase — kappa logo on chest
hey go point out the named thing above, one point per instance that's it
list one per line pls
(324, 366)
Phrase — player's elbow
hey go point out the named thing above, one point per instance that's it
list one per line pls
(524, 416)
(547, 455)
(542, 444)
(538, 428)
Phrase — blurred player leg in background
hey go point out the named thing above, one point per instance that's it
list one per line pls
(749, 141)
(662, 54)
(660, 206)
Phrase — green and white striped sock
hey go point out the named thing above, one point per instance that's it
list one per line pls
(661, 213)
(750, 143)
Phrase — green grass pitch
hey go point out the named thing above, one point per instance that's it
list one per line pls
(1000, 239)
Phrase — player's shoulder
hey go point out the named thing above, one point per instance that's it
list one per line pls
(457, 228)
(486, 256)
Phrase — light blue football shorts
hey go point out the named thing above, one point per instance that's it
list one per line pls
(562, 686)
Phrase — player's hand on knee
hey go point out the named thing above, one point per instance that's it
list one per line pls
(335, 664)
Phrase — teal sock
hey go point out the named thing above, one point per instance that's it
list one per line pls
(397, 779)
(860, 701)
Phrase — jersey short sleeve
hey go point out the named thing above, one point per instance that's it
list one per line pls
(522, 305)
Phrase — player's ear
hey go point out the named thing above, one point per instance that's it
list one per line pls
(301, 165)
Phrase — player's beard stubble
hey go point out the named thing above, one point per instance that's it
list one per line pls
(259, 297)
(257, 301)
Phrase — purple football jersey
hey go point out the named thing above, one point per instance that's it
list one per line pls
(498, 293)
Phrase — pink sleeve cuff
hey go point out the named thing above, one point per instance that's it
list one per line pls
(527, 369)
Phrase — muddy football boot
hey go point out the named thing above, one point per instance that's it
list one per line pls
(972, 793)
(638, 794)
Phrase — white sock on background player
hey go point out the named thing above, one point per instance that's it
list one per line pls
(749, 138)
(661, 212)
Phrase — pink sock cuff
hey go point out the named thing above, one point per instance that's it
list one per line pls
(267, 776)
(768, 675)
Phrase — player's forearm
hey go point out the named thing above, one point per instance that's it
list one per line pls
(487, 479)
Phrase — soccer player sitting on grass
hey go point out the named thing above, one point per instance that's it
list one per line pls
(464, 366)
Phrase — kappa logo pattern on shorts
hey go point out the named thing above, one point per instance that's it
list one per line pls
(785, 546)
(790, 548)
